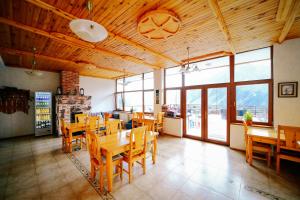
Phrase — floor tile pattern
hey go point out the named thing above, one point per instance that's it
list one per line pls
(36, 168)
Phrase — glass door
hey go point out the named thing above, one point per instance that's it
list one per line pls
(193, 113)
(217, 114)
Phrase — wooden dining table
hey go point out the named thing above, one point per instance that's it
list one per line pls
(114, 144)
(262, 135)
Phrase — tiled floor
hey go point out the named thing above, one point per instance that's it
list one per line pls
(36, 168)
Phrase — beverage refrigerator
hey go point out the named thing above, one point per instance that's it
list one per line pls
(43, 113)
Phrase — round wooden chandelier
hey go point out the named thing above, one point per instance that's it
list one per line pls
(158, 24)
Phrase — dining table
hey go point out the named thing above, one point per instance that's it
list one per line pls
(262, 135)
(114, 144)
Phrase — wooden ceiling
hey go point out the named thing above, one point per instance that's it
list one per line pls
(208, 27)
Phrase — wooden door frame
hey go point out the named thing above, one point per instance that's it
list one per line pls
(204, 118)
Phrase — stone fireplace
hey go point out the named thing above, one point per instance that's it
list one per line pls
(70, 102)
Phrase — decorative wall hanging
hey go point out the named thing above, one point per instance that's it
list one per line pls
(288, 89)
(158, 24)
(13, 100)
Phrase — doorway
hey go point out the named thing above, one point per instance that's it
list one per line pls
(206, 113)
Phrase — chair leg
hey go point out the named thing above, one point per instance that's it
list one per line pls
(129, 171)
(101, 178)
(121, 172)
(269, 158)
(81, 143)
(93, 173)
(144, 165)
(278, 164)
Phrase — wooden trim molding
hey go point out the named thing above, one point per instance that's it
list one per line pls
(75, 42)
(221, 21)
(69, 16)
(208, 56)
(283, 10)
(289, 21)
(78, 63)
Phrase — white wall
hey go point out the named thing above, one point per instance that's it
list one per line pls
(286, 68)
(19, 123)
(102, 92)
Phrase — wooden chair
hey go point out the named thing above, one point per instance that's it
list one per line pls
(150, 125)
(137, 150)
(98, 161)
(137, 119)
(94, 123)
(288, 149)
(258, 148)
(64, 134)
(71, 136)
(113, 126)
(106, 118)
(81, 119)
(159, 122)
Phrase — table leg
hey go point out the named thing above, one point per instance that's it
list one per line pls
(250, 150)
(154, 149)
(109, 170)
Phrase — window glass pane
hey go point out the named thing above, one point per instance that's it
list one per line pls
(253, 71)
(253, 65)
(119, 101)
(133, 83)
(253, 98)
(119, 85)
(173, 100)
(133, 100)
(249, 56)
(173, 77)
(211, 71)
(148, 81)
(149, 101)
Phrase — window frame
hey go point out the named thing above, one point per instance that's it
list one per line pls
(233, 86)
(142, 90)
(231, 90)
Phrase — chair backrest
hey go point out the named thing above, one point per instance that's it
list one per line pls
(292, 138)
(160, 117)
(62, 126)
(93, 144)
(149, 124)
(138, 142)
(141, 117)
(113, 126)
(94, 123)
(245, 126)
(81, 118)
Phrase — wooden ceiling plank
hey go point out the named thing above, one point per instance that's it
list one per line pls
(73, 41)
(208, 56)
(289, 22)
(69, 16)
(283, 10)
(221, 21)
(50, 58)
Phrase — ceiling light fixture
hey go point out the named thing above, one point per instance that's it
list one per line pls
(34, 71)
(187, 68)
(88, 30)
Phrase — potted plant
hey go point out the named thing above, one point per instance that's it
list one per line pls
(248, 116)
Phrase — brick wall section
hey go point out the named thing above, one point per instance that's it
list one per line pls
(69, 82)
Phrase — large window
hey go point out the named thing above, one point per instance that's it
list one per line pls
(136, 93)
(247, 75)
(173, 100)
(210, 72)
(173, 77)
(253, 85)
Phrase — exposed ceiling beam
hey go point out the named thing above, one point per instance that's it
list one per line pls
(289, 21)
(75, 42)
(69, 16)
(208, 56)
(50, 58)
(283, 10)
(221, 21)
